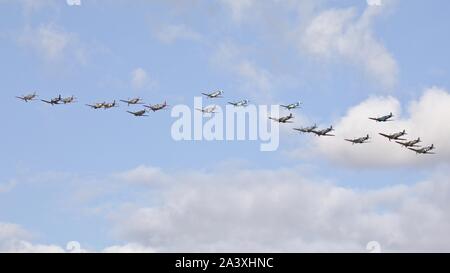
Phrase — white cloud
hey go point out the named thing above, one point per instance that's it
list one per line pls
(53, 43)
(425, 119)
(171, 33)
(128, 248)
(239, 8)
(13, 238)
(281, 210)
(253, 79)
(342, 33)
(139, 78)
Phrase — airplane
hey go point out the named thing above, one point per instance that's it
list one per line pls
(395, 136)
(157, 107)
(97, 105)
(133, 101)
(424, 150)
(215, 94)
(309, 129)
(53, 101)
(209, 109)
(110, 105)
(411, 143)
(283, 119)
(292, 106)
(383, 118)
(67, 100)
(139, 113)
(28, 97)
(242, 103)
(323, 132)
(360, 140)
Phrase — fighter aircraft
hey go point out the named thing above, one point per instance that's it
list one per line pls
(292, 106)
(157, 107)
(411, 143)
(133, 101)
(309, 129)
(323, 132)
(283, 119)
(68, 100)
(139, 113)
(209, 109)
(53, 101)
(242, 103)
(360, 140)
(395, 136)
(215, 94)
(424, 150)
(97, 105)
(27, 98)
(383, 118)
(110, 105)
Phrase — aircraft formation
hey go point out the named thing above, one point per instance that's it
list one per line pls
(397, 137)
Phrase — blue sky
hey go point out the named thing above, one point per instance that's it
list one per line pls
(73, 173)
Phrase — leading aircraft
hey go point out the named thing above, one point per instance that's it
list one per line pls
(215, 94)
(133, 101)
(242, 103)
(285, 119)
(383, 118)
(309, 129)
(360, 140)
(424, 150)
(207, 110)
(292, 106)
(157, 107)
(411, 143)
(27, 98)
(139, 113)
(53, 101)
(324, 132)
(396, 136)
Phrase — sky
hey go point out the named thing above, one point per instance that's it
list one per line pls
(112, 182)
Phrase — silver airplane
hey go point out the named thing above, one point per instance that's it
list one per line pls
(424, 150)
(323, 132)
(383, 118)
(110, 105)
(27, 98)
(68, 100)
(53, 101)
(133, 101)
(411, 143)
(139, 113)
(98, 105)
(396, 136)
(215, 94)
(292, 106)
(242, 103)
(157, 107)
(285, 119)
(360, 140)
(309, 129)
(207, 110)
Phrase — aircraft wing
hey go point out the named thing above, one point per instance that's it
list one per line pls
(350, 140)
(388, 136)
(208, 95)
(401, 139)
(46, 101)
(374, 119)
(415, 150)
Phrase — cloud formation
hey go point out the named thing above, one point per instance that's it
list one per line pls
(344, 34)
(282, 210)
